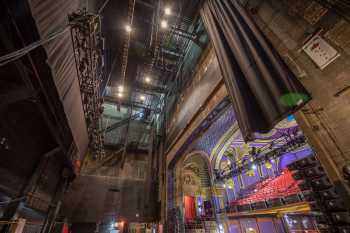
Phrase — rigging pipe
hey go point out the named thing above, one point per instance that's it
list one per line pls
(127, 41)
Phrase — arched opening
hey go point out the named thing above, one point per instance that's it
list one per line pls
(196, 188)
(194, 191)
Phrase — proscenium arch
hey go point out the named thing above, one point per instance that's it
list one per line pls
(222, 145)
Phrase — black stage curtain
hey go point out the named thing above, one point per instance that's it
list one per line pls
(262, 87)
(51, 16)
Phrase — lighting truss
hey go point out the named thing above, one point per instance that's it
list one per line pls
(87, 46)
(261, 156)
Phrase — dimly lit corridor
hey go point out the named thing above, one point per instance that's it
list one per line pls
(174, 116)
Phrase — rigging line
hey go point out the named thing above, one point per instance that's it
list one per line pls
(5, 59)
(127, 41)
(103, 7)
(12, 200)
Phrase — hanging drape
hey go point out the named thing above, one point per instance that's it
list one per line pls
(262, 87)
(190, 208)
(51, 16)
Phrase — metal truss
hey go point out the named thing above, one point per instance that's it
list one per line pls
(87, 45)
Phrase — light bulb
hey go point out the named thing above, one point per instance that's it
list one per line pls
(167, 11)
(147, 79)
(120, 88)
(128, 28)
(164, 24)
(120, 95)
(142, 97)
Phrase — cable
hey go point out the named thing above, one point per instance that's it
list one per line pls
(103, 7)
(13, 200)
(22, 52)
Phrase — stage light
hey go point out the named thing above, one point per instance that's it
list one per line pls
(120, 88)
(167, 11)
(128, 28)
(147, 79)
(142, 97)
(164, 24)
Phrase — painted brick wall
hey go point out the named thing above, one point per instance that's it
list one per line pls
(288, 24)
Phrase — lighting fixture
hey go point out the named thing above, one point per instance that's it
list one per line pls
(167, 11)
(254, 166)
(142, 97)
(128, 28)
(120, 95)
(120, 88)
(164, 24)
(147, 79)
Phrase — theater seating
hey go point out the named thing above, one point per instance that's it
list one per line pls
(278, 187)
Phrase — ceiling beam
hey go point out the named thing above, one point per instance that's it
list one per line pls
(113, 100)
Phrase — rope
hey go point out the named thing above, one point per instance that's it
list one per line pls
(5, 59)
(13, 200)
(103, 7)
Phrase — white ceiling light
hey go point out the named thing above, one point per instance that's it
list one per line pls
(120, 95)
(142, 97)
(120, 88)
(128, 28)
(167, 11)
(164, 24)
(147, 79)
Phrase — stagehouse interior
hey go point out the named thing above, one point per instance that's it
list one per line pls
(174, 116)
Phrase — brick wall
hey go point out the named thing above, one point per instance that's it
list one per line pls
(288, 24)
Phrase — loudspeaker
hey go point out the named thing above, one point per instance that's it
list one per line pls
(341, 217)
(321, 218)
(344, 229)
(312, 172)
(323, 227)
(335, 205)
(328, 194)
(309, 161)
(320, 183)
